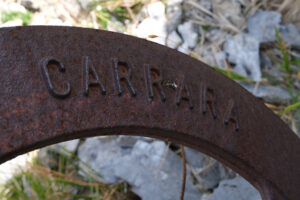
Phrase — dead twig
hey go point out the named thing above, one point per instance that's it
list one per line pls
(128, 8)
(163, 159)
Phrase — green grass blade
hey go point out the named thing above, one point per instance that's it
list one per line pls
(291, 107)
(233, 75)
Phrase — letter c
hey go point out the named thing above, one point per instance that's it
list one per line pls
(61, 68)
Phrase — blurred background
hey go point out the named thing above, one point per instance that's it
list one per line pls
(254, 42)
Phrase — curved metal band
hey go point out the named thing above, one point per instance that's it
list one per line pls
(150, 90)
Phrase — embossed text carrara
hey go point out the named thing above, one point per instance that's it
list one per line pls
(153, 79)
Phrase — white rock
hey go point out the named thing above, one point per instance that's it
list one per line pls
(138, 165)
(262, 25)
(155, 24)
(156, 10)
(150, 26)
(290, 34)
(173, 40)
(188, 34)
(243, 50)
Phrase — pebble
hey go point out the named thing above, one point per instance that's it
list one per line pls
(154, 24)
(243, 51)
(188, 34)
(262, 25)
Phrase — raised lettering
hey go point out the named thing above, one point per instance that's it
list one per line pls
(124, 76)
(231, 115)
(46, 75)
(183, 93)
(88, 69)
(207, 100)
(153, 78)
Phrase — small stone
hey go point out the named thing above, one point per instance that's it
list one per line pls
(243, 51)
(290, 34)
(154, 24)
(146, 28)
(156, 10)
(173, 40)
(262, 25)
(189, 34)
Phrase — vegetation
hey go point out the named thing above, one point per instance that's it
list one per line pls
(58, 178)
(291, 69)
(116, 11)
(10, 16)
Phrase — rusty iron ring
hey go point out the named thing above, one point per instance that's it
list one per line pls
(62, 83)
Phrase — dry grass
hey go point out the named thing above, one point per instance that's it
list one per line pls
(290, 10)
(60, 180)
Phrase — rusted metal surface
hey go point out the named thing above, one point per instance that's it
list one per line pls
(60, 83)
